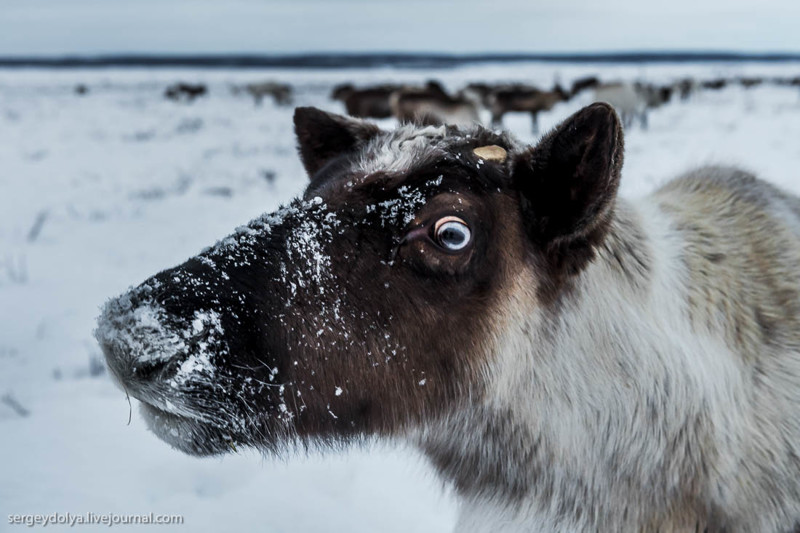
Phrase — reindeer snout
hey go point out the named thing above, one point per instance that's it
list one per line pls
(172, 333)
(139, 339)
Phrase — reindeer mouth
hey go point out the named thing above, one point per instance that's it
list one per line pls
(188, 434)
(182, 414)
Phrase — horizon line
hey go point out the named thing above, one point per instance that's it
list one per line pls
(349, 59)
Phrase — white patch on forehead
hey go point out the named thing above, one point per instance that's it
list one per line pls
(401, 150)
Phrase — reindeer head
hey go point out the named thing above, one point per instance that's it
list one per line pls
(374, 304)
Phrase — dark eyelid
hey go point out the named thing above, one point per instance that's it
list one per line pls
(421, 231)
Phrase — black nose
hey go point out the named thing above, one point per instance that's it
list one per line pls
(169, 331)
(188, 321)
(139, 338)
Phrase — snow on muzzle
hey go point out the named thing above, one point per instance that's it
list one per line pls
(199, 343)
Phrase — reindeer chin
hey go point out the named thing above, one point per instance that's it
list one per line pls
(186, 434)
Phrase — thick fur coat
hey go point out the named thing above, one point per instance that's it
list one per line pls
(568, 360)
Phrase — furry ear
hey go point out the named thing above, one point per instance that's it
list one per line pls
(568, 184)
(322, 136)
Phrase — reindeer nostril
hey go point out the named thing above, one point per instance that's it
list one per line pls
(151, 370)
(138, 338)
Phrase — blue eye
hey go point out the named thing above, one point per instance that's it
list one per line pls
(452, 233)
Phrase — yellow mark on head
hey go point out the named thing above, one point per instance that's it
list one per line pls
(491, 153)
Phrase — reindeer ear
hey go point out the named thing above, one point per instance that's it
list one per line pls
(321, 136)
(568, 183)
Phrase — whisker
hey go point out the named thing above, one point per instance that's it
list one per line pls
(130, 407)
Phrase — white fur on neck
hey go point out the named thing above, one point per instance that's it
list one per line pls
(627, 400)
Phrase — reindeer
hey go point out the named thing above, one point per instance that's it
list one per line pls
(185, 92)
(583, 84)
(281, 93)
(432, 105)
(629, 99)
(715, 84)
(526, 99)
(370, 102)
(748, 82)
(654, 96)
(480, 91)
(686, 87)
(567, 359)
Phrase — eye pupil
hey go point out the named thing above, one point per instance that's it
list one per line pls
(452, 236)
(452, 233)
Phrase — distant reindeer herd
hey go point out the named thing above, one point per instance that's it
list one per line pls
(432, 104)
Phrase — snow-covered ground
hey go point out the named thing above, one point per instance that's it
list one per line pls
(98, 192)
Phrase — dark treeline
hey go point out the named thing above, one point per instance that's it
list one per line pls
(368, 60)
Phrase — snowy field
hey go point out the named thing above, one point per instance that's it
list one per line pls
(98, 192)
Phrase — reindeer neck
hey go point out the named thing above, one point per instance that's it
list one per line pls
(587, 397)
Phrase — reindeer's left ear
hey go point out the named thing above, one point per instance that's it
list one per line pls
(321, 136)
(568, 183)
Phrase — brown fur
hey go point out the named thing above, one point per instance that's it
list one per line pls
(408, 325)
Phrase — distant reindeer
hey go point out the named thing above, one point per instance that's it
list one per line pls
(583, 84)
(185, 92)
(715, 84)
(432, 105)
(655, 96)
(523, 98)
(788, 82)
(567, 359)
(750, 82)
(480, 90)
(626, 99)
(633, 100)
(370, 102)
(686, 87)
(281, 93)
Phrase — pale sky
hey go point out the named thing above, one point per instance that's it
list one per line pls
(59, 27)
